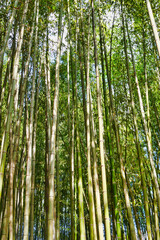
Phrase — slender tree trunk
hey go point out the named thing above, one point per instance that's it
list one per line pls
(101, 128)
(82, 83)
(93, 229)
(22, 194)
(80, 190)
(48, 129)
(76, 194)
(154, 27)
(46, 179)
(113, 176)
(57, 185)
(3, 201)
(4, 235)
(93, 232)
(51, 220)
(71, 139)
(79, 164)
(96, 180)
(34, 158)
(72, 179)
(156, 226)
(11, 202)
(30, 143)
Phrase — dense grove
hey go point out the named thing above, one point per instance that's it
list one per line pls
(79, 119)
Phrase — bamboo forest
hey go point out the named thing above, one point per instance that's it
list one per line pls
(79, 119)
